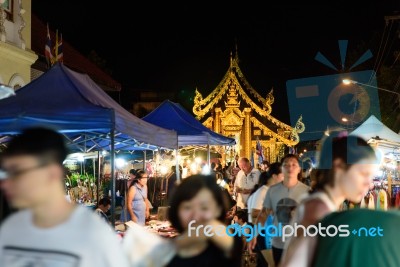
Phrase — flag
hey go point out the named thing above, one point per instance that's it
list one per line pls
(47, 49)
(252, 158)
(59, 48)
(55, 49)
(259, 152)
(292, 150)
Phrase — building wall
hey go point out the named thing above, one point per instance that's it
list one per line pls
(16, 57)
(147, 101)
(141, 109)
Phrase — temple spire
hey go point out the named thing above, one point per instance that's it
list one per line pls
(236, 50)
(234, 58)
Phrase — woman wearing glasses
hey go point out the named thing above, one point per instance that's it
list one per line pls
(138, 204)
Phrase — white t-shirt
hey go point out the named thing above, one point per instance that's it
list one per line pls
(82, 241)
(246, 182)
(283, 201)
(256, 200)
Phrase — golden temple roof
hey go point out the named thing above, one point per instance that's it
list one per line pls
(233, 85)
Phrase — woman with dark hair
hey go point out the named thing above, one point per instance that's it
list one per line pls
(138, 204)
(255, 204)
(199, 202)
(272, 176)
(345, 171)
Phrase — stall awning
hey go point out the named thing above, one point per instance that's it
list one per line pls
(75, 105)
(373, 128)
(173, 116)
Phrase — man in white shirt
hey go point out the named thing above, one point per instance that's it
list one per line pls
(246, 179)
(281, 200)
(48, 230)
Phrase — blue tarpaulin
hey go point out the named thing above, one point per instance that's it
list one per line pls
(173, 116)
(75, 105)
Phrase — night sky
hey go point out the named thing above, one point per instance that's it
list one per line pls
(180, 47)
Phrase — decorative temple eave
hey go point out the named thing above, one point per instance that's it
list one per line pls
(215, 96)
(234, 78)
(235, 109)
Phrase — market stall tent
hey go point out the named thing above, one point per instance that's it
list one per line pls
(190, 131)
(387, 144)
(173, 116)
(383, 139)
(373, 128)
(75, 105)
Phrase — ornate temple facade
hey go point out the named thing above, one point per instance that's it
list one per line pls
(236, 110)
(16, 56)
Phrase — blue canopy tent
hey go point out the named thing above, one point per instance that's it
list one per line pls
(173, 116)
(74, 105)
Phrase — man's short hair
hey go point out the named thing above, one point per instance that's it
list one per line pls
(43, 143)
(242, 214)
(265, 162)
(245, 160)
(105, 201)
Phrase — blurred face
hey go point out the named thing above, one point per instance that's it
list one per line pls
(131, 176)
(277, 178)
(201, 208)
(107, 208)
(291, 168)
(143, 181)
(264, 167)
(245, 166)
(29, 183)
(355, 182)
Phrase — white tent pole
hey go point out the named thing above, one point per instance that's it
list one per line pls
(98, 177)
(112, 162)
(177, 171)
(144, 160)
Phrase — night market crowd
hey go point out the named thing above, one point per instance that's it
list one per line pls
(239, 215)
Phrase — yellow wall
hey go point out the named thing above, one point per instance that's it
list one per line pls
(15, 62)
(26, 34)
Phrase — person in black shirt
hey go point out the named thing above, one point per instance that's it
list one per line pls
(199, 202)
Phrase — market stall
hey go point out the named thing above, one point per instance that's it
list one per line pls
(76, 106)
(173, 116)
(385, 192)
(191, 132)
